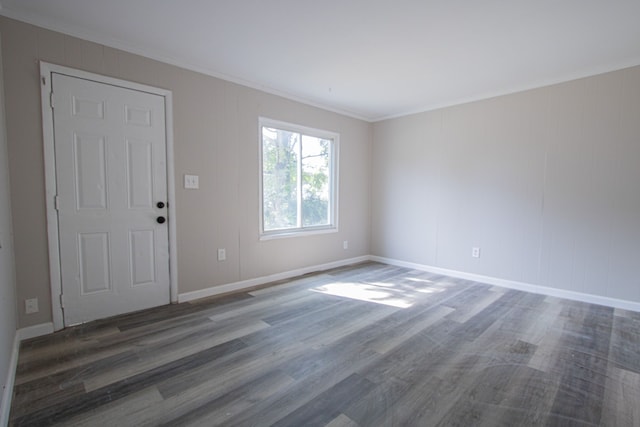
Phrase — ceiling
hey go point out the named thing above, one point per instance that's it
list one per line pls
(371, 59)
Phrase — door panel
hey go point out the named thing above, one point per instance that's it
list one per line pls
(91, 109)
(140, 174)
(93, 251)
(89, 167)
(142, 257)
(110, 148)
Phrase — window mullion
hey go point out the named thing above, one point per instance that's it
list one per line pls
(331, 184)
(299, 180)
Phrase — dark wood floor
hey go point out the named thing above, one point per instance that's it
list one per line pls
(394, 347)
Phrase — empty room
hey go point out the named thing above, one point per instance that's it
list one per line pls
(336, 213)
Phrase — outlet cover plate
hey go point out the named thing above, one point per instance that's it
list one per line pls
(191, 182)
(31, 306)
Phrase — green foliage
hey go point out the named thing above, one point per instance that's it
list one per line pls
(284, 160)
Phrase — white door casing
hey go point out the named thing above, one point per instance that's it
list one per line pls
(110, 152)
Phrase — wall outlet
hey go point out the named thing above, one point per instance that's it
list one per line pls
(475, 252)
(345, 245)
(222, 254)
(31, 305)
(191, 182)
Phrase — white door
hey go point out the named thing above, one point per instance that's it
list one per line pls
(110, 155)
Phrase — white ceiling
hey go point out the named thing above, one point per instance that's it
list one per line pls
(371, 59)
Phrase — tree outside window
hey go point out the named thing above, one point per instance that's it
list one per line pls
(297, 178)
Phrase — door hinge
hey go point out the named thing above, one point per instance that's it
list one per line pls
(61, 301)
(56, 202)
(51, 99)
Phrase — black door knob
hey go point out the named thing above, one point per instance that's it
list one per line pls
(160, 205)
(160, 220)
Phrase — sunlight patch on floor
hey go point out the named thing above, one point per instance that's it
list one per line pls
(415, 279)
(366, 292)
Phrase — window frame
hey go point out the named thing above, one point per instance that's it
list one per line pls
(332, 227)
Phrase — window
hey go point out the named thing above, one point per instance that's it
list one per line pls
(298, 179)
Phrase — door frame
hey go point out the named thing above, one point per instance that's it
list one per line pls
(46, 69)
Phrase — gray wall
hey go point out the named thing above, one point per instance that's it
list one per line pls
(546, 182)
(215, 137)
(7, 277)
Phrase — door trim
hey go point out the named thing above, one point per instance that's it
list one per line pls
(46, 69)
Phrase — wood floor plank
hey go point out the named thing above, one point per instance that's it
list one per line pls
(217, 411)
(525, 400)
(447, 368)
(284, 287)
(56, 365)
(342, 421)
(486, 300)
(265, 349)
(362, 345)
(261, 307)
(542, 320)
(214, 389)
(625, 340)
(122, 388)
(61, 343)
(132, 411)
(581, 390)
(383, 343)
(329, 404)
(622, 402)
(159, 355)
(49, 390)
(378, 405)
(302, 391)
(482, 400)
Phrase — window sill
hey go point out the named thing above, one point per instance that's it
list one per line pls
(297, 233)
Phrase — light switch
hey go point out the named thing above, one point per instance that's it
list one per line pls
(191, 182)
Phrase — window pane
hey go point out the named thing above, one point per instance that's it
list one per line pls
(316, 182)
(280, 152)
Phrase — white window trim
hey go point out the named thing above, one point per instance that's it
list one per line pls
(333, 204)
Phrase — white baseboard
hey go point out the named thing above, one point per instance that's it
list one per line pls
(250, 283)
(21, 335)
(521, 286)
(7, 392)
(35, 331)
(510, 284)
